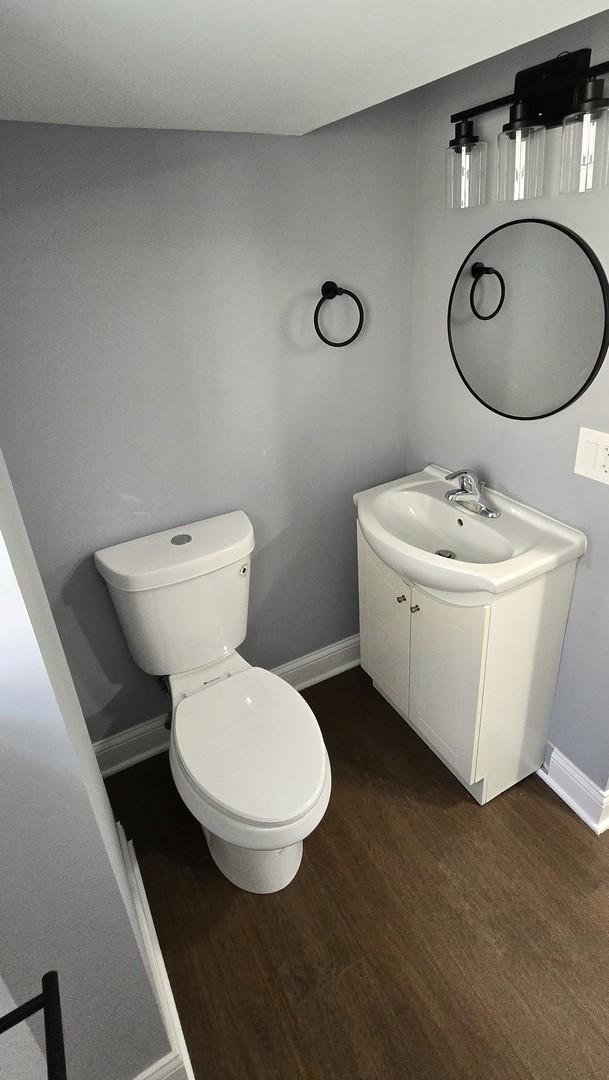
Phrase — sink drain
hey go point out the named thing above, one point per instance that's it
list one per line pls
(446, 553)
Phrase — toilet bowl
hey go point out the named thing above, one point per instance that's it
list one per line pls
(246, 752)
(249, 761)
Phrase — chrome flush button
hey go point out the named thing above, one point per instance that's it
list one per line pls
(181, 538)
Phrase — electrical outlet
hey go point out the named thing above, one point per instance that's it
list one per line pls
(592, 457)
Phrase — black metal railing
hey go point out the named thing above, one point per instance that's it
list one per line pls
(49, 1001)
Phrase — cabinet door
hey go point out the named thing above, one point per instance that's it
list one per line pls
(447, 656)
(384, 602)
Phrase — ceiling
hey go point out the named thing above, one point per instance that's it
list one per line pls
(276, 66)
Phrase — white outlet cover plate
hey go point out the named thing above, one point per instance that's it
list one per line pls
(592, 457)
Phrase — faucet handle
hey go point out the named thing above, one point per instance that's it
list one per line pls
(469, 481)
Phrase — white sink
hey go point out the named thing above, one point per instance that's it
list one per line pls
(407, 521)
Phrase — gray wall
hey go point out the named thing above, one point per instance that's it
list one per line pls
(65, 902)
(532, 461)
(160, 364)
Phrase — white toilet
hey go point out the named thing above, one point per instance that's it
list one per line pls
(246, 752)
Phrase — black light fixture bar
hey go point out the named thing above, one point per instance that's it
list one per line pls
(548, 87)
(478, 110)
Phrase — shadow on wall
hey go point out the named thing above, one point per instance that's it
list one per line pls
(295, 324)
(119, 159)
(88, 599)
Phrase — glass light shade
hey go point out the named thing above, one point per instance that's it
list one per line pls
(465, 176)
(520, 161)
(584, 162)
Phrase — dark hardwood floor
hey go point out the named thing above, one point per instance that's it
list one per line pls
(424, 938)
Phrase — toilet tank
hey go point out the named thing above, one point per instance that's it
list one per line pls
(182, 595)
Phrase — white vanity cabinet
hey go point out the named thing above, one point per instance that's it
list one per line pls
(447, 659)
(473, 674)
(384, 615)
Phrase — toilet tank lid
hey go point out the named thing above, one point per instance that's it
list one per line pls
(188, 551)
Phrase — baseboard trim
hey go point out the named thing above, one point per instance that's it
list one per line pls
(135, 744)
(322, 664)
(168, 1068)
(176, 1064)
(118, 752)
(574, 787)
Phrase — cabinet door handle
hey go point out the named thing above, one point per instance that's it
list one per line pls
(401, 599)
(415, 608)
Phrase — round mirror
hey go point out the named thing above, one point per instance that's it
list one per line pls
(528, 318)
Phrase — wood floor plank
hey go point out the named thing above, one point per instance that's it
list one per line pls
(424, 937)
(355, 1034)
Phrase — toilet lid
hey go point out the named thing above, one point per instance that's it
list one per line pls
(252, 745)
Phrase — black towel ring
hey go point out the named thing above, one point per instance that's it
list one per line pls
(329, 290)
(478, 269)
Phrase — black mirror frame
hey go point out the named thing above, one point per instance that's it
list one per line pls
(604, 284)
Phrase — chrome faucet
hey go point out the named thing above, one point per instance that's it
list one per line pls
(469, 493)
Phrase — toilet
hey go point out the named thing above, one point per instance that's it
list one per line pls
(246, 752)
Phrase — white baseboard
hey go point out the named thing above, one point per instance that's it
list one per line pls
(145, 740)
(321, 664)
(135, 744)
(586, 798)
(176, 1064)
(168, 1068)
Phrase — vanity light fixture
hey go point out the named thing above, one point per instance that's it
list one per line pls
(520, 150)
(584, 164)
(564, 91)
(465, 168)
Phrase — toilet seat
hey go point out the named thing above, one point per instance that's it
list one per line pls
(252, 748)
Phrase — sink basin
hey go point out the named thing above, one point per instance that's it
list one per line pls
(408, 522)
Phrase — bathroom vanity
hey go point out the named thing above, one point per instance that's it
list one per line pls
(465, 645)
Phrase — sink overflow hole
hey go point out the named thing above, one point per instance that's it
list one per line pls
(459, 521)
(445, 553)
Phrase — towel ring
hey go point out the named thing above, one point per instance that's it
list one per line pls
(478, 269)
(329, 290)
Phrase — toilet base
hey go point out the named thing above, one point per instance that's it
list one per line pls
(255, 871)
